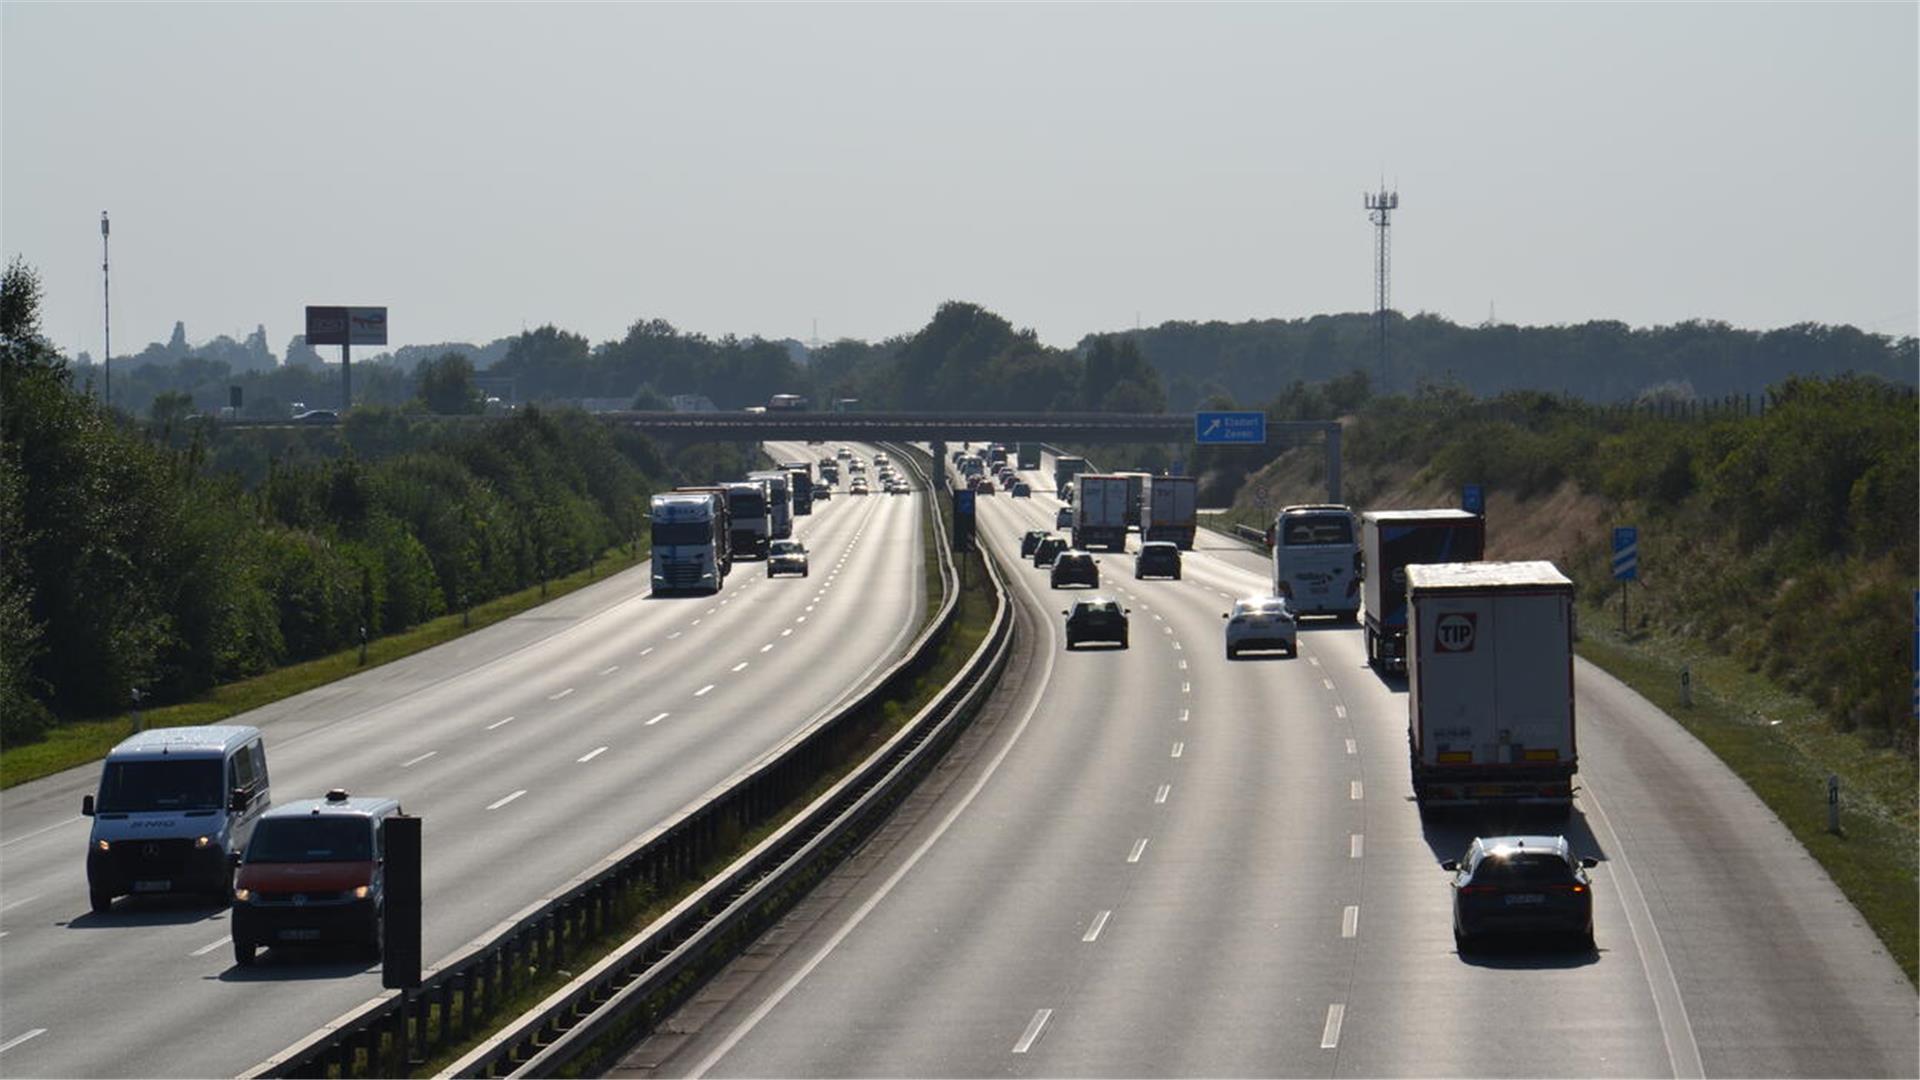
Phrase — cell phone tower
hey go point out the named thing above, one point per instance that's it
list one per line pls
(1380, 208)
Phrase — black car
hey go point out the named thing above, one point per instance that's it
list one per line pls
(1048, 549)
(1074, 568)
(1521, 884)
(1157, 558)
(1096, 618)
(1030, 540)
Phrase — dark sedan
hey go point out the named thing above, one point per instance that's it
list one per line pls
(1030, 540)
(1096, 618)
(1074, 568)
(1521, 885)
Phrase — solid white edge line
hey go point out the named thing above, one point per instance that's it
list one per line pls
(1034, 1027)
(1330, 1035)
(18, 1039)
(1683, 1052)
(590, 755)
(497, 805)
(1099, 923)
(893, 880)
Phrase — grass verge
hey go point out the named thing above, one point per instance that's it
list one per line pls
(1784, 748)
(640, 909)
(89, 740)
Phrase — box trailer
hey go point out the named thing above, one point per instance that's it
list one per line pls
(1391, 541)
(1100, 511)
(1168, 510)
(1490, 716)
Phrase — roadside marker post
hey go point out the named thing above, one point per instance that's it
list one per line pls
(1626, 564)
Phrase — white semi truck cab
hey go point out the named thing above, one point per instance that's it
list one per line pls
(690, 542)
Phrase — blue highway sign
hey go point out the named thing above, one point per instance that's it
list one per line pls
(1243, 428)
(1626, 553)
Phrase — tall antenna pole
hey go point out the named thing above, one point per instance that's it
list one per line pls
(1380, 208)
(106, 307)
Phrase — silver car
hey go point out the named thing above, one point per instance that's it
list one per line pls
(1261, 622)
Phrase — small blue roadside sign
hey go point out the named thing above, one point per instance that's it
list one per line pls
(1244, 428)
(1473, 499)
(963, 501)
(1626, 553)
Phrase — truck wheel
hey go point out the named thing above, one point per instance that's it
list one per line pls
(1123, 641)
(243, 951)
(1176, 575)
(1462, 942)
(1293, 652)
(100, 900)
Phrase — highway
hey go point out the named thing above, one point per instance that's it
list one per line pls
(532, 749)
(1157, 862)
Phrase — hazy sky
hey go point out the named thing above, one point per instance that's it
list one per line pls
(750, 169)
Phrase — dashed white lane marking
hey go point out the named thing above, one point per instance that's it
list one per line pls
(724, 603)
(1330, 1035)
(1166, 629)
(410, 763)
(1156, 617)
(1314, 660)
(22, 900)
(1179, 748)
(1352, 747)
(646, 650)
(1340, 711)
(739, 667)
(610, 670)
(673, 635)
(657, 719)
(18, 1039)
(502, 802)
(787, 631)
(1328, 683)
(1356, 846)
(768, 647)
(1354, 791)
(1350, 921)
(1161, 795)
(1184, 713)
(703, 690)
(205, 949)
(1139, 849)
(1175, 644)
(1099, 924)
(1027, 1038)
(500, 723)
(802, 618)
(591, 754)
(809, 607)
(1186, 688)
(561, 694)
(695, 622)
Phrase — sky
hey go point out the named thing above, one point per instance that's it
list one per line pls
(766, 169)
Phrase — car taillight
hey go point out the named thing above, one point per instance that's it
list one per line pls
(1471, 890)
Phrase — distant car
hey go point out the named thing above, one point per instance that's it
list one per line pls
(843, 453)
(1096, 618)
(1063, 518)
(787, 557)
(983, 489)
(1523, 884)
(1157, 558)
(1048, 549)
(899, 487)
(1022, 490)
(1074, 567)
(859, 487)
(1030, 540)
(317, 416)
(1261, 622)
(312, 874)
(822, 492)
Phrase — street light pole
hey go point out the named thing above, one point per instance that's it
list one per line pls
(106, 308)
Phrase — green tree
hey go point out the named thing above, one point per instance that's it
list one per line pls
(446, 385)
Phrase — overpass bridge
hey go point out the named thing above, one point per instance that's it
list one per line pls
(1007, 427)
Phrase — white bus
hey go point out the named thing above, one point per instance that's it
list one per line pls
(1316, 560)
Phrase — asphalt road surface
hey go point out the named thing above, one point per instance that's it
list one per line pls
(1157, 862)
(532, 749)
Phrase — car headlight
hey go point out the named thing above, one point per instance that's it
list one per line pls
(103, 845)
(241, 896)
(202, 842)
(360, 892)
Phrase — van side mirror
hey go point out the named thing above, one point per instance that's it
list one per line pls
(86, 805)
(1451, 866)
(238, 801)
(233, 858)
(1589, 862)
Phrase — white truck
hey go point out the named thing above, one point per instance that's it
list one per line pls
(779, 499)
(1100, 511)
(692, 541)
(1391, 541)
(751, 509)
(1168, 509)
(1490, 685)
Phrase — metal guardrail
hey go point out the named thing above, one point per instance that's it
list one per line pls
(460, 995)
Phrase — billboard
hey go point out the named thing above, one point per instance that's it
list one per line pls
(346, 325)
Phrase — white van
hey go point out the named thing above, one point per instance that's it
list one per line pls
(174, 805)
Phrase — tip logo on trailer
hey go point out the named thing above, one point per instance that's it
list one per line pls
(1454, 633)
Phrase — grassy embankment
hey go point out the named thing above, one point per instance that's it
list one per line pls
(89, 740)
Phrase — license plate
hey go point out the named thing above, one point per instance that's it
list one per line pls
(299, 935)
(157, 885)
(1526, 898)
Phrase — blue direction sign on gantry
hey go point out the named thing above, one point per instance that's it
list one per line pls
(1243, 428)
(1626, 553)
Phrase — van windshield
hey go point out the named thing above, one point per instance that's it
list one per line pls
(311, 839)
(672, 533)
(177, 784)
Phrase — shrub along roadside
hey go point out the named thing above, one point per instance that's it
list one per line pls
(76, 744)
